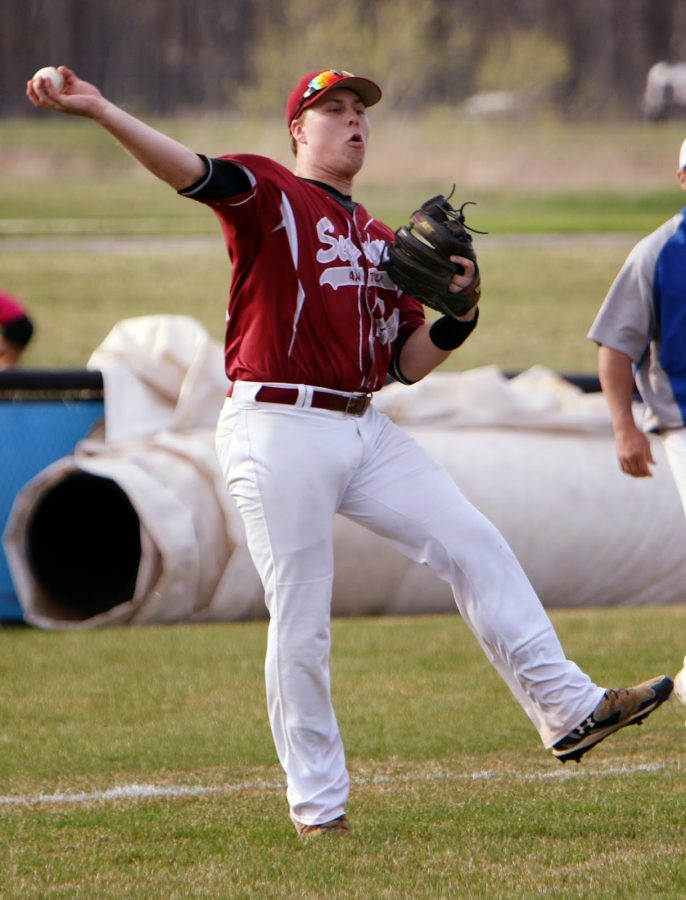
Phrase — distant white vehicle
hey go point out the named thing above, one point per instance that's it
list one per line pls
(665, 91)
(493, 105)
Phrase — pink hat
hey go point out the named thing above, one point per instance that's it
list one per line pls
(312, 87)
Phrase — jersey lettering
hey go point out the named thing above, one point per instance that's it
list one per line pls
(387, 329)
(373, 250)
(316, 264)
(338, 247)
(343, 248)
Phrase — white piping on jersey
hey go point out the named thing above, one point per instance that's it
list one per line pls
(360, 341)
(251, 178)
(363, 297)
(299, 303)
(288, 222)
(199, 187)
(253, 185)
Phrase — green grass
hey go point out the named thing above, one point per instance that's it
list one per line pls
(60, 174)
(539, 299)
(422, 714)
(76, 297)
(548, 194)
(138, 205)
(452, 796)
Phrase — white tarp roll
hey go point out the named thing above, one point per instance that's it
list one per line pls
(189, 536)
(585, 534)
(161, 373)
(534, 453)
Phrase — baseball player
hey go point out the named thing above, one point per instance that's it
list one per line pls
(16, 330)
(314, 326)
(640, 330)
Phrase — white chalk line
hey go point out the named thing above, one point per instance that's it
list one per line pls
(151, 791)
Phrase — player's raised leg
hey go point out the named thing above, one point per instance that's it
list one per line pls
(429, 519)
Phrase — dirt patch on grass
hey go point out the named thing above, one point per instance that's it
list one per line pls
(517, 158)
(439, 146)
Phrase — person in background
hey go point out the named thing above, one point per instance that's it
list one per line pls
(16, 330)
(640, 331)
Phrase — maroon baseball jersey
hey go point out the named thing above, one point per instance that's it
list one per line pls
(309, 303)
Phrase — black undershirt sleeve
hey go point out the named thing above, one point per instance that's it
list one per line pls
(222, 178)
(394, 370)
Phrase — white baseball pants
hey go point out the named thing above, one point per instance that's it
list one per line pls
(674, 442)
(290, 470)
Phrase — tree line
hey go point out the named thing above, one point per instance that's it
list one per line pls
(584, 59)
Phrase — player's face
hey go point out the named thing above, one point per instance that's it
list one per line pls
(334, 132)
(9, 354)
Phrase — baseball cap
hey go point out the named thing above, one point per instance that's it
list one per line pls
(315, 85)
(682, 156)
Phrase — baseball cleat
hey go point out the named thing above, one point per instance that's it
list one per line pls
(617, 709)
(335, 826)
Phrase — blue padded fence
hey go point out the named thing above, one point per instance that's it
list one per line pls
(43, 416)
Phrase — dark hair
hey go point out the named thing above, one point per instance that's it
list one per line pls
(19, 331)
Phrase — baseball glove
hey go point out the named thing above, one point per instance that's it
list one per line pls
(418, 259)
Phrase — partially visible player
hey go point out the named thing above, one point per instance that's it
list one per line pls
(16, 330)
(314, 327)
(640, 330)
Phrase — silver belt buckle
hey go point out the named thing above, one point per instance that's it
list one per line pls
(357, 404)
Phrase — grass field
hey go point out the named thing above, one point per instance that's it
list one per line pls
(539, 302)
(86, 238)
(138, 762)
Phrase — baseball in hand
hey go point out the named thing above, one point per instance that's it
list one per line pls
(51, 73)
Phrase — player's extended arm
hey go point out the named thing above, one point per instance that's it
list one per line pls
(419, 354)
(617, 382)
(169, 160)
